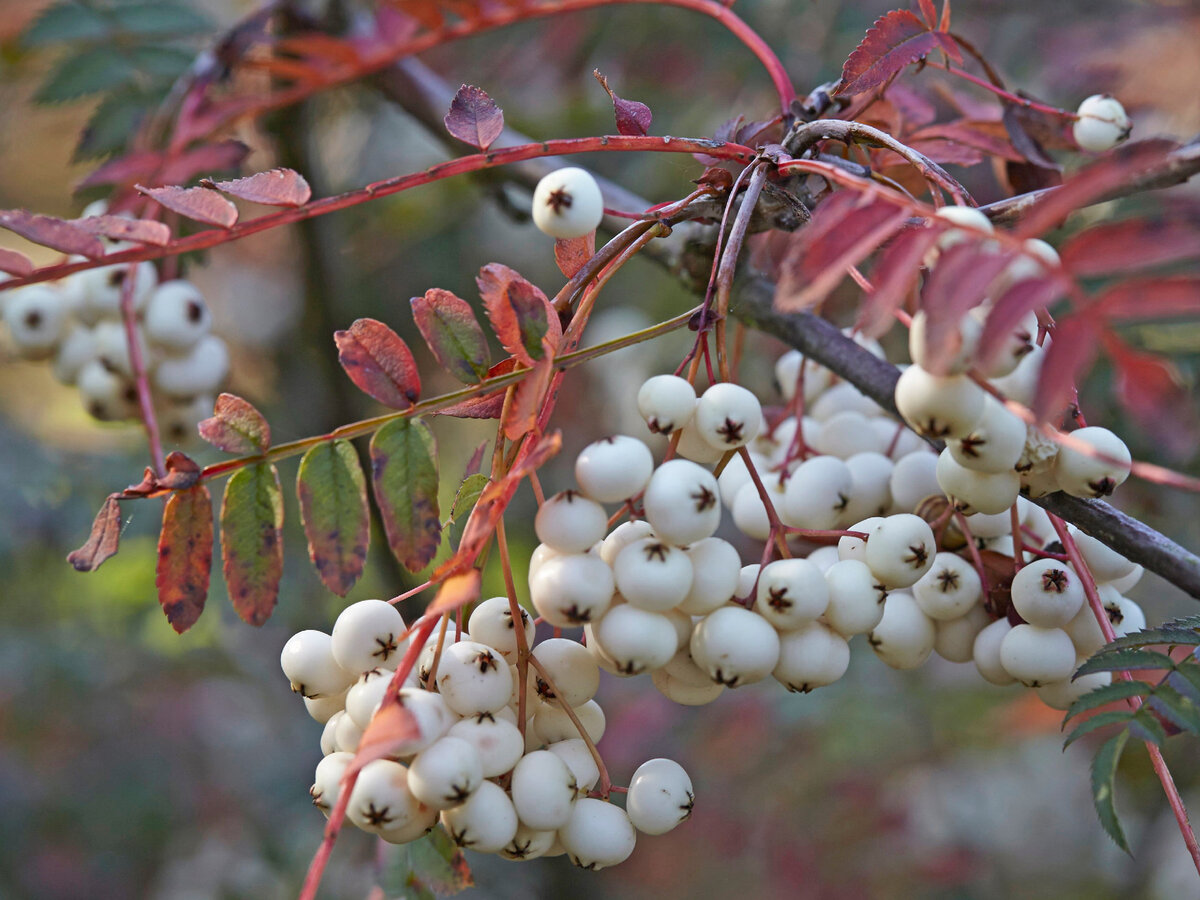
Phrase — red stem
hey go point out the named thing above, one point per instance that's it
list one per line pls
(140, 377)
(460, 166)
(1007, 95)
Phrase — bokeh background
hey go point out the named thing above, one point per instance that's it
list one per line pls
(138, 763)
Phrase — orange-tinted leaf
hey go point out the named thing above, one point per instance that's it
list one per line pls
(404, 476)
(324, 46)
(379, 363)
(276, 187)
(57, 234)
(102, 542)
(1152, 298)
(529, 399)
(199, 203)
(632, 117)
(474, 118)
(185, 549)
(1073, 349)
(519, 312)
(143, 231)
(252, 541)
(236, 427)
(452, 332)
(572, 254)
(15, 263)
(489, 406)
(1153, 394)
(392, 731)
(333, 508)
(896, 40)
(1134, 244)
(456, 591)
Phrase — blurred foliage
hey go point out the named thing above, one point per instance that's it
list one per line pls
(136, 763)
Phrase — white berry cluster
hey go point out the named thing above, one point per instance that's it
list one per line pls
(76, 325)
(493, 786)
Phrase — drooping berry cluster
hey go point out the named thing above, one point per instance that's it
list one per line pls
(76, 325)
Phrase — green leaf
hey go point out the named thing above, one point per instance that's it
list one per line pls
(1186, 678)
(405, 481)
(64, 22)
(1179, 710)
(160, 19)
(1104, 776)
(112, 124)
(468, 492)
(427, 868)
(1156, 637)
(333, 508)
(1120, 660)
(252, 540)
(1183, 623)
(84, 73)
(1145, 727)
(161, 63)
(452, 332)
(1100, 720)
(1107, 693)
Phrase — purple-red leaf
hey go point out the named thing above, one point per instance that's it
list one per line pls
(1153, 394)
(453, 334)
(252, 541)
(143, 231)
(958, 283)
(236, 427)
(519, 312)
(276, 187)
(199, 203)
(185, 549)
(379, 363)
(1022, 298)
(102, 542)
(572, 254)
(489, 406)
(15, 263)
(57, 234)
(334, 511)
(632, 117)
(474, 118)
(1128, 246)
(896, 272)
(896, 40)
(1152, 298)
(1075, 342)
(404, 476)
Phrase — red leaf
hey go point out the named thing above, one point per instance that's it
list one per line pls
(199, 203)
(185, 549)
(1134, 244)
(519, 312)
(57, 234)
(475, 463)
(896, 40)
(136, 166)
(474, 118)
(1093, 183)
(958, 283)
(276, 187)
(452, 332)
(529, 399)
(844, 231)
(1153, 394)
(15, 263)
(984, 137)
(236, 427)
(489, 406)
(102, 542)
(894, 275)
(944, 24)
(223, 156)
(632, 117)
(1016, 303)
(379, 363)
(143, 231)
(928, 13)
(1152, 298)
(182, 472)
(572, 254)
(1073, 350)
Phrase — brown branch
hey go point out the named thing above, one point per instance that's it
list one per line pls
(824, 343)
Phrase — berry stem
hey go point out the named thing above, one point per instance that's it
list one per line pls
(1018, 544)
(140, 376)
(976, 558)
(1156, 758)
(729, 260)
(605, 783)
(778, 532)
(515, 611)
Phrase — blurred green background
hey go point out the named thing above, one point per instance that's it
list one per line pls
(138, 763)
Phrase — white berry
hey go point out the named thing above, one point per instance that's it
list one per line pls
(681, 502)
(904, 637)
(597, 834)
(1102, 123)
(660, 796)
(567, 203)
(614, 468)
(1083, 475)
(666, 402)
(368, 634)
